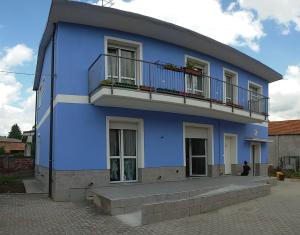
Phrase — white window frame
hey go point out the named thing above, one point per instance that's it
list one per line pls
(235, 77)
(126, 123)
(256, 85)
(205, 63)
(127, 45)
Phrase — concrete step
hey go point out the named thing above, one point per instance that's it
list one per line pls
(131, 198)
(213, 200)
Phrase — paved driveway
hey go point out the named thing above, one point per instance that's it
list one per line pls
(278, 213)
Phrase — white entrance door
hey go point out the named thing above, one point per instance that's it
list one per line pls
(255, 152)
(230, 152)
(123, 155)
(198, 156)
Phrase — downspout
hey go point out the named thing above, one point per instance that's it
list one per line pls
(35, 131)
(51, 113)
(219, 124)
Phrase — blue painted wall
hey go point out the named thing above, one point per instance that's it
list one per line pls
(78, 47)
(79, 129)
(81, 136)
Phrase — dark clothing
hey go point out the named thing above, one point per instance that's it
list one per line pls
(246, 170)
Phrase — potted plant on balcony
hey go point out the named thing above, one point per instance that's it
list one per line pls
(192, 69)
(168, 91)
(173, 67)
(106, 82)
(147, 88)
(126, 85)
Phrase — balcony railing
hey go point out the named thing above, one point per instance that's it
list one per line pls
(120, 72)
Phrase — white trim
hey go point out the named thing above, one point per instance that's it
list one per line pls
(139, 47)
(140, 123)
(71, 99)
(66, 99)
(236, 77)
(236, 147)
(46, 114)
(210, 136)
(137, 99)
(264, 124)
(186, 56)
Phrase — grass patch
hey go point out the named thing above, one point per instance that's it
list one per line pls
(11, 184)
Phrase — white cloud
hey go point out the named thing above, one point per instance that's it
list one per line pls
(10, 91)
(284, 94)
(231, 26)
(285, 12)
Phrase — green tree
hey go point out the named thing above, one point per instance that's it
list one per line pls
(15, 132)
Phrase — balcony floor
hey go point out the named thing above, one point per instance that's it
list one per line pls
(137, 99)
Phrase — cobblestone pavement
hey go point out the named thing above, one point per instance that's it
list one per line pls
(278, 213)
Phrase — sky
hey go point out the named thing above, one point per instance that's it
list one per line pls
(267, 30)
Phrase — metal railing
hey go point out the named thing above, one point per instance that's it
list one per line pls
(116, 71)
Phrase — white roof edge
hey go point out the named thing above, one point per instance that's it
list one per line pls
(97, 16)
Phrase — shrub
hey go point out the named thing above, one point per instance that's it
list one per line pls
(2, 151)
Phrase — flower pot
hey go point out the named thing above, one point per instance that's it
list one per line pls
(173, 68)
(192, 71)
(147, 88)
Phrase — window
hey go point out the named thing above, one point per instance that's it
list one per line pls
(255, 97)
(40, 93)
(230, 87)
(198, 84)
(122, 63)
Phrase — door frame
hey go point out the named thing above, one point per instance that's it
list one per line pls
(251, 153)
(210, 142)
(140, 141)
(236, 148)
(199, 156)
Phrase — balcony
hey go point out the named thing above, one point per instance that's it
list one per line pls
(130, 83)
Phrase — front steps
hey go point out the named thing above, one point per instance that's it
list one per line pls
(155, 206)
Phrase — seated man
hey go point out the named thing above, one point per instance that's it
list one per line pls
(246, 169)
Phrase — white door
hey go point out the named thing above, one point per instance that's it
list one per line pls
(123, 155)
(230, 152)
(198, 157)
(255, 152)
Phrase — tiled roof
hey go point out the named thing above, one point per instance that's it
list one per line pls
(289, 127)
(5, 139)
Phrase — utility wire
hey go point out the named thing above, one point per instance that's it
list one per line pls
(20, 73)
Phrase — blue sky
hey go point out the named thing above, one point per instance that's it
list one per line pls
(269, 33)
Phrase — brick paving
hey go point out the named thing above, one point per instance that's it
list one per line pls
(278, 213)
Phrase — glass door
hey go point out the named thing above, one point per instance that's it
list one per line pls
(195, 84)
(198, 157)
(121, 65)
(254, 98)
(123, 155)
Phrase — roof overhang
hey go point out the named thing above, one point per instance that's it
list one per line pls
(104, 17)
(258, 140)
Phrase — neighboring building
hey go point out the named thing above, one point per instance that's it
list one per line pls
(284, 150)
(11, 145)
(123, 112)
(28, 140)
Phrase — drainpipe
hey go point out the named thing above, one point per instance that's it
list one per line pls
(35, 132)
(51, 113)
(219, 122)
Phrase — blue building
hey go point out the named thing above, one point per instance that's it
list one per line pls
(122, 97)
